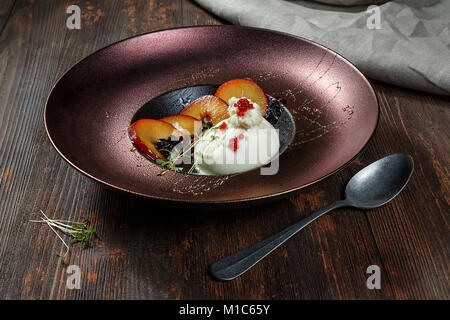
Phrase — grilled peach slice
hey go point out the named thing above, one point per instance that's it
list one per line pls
(239, 88)
(145, 133)
(188, 123)
(208, 108)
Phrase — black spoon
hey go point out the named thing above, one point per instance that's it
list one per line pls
(373, 186)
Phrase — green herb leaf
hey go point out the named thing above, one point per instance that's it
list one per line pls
(77, 230)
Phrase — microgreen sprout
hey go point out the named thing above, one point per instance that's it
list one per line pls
(78, 231)
(168, 165)
(171, 164)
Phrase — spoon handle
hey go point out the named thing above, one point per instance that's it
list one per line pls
(233, 266)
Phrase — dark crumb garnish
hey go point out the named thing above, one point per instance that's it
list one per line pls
(274, 109)
(165, 146)
(206, 125)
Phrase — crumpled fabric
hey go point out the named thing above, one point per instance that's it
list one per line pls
(351, 2)
(411, 49)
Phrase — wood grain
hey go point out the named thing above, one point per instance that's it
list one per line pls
(143, 254)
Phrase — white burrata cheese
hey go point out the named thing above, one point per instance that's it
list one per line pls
(241, 144)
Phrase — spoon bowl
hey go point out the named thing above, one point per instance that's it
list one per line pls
(379, 182)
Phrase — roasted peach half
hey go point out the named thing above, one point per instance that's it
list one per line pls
(145, 133)
(188, 123)
(239, 88)
(207, 108)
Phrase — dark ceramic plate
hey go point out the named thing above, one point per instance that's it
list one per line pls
(332, 104)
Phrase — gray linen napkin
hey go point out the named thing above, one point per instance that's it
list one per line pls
(411, 48)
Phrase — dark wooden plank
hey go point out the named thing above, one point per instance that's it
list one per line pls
(37, 46)
(412, 233)
(6, 7)
(23, 65)
(143, 254)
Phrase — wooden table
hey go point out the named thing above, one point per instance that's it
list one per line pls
(142, 253)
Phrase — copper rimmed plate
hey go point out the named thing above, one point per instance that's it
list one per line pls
(88, 111)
